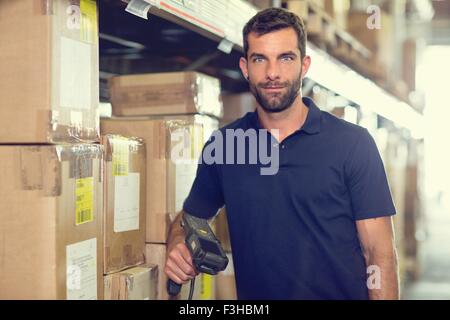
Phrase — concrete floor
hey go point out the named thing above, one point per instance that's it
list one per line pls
(434, 280)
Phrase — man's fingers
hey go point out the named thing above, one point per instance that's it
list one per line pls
(185, 253)
(172, 266)
(173, 276)
(183, 264)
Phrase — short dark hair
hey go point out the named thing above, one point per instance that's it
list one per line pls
(273, 19)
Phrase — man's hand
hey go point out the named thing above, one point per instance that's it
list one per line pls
(179, 266)
(377, 240)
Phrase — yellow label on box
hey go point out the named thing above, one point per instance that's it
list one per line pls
(89, 29)
(197, 141)
(120, 155)
(84, 203)
(207, 287)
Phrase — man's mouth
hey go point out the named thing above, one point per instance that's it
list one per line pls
(273, 88)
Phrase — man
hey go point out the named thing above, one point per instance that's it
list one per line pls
(321, 226)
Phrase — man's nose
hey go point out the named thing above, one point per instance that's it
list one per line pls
(273, 71)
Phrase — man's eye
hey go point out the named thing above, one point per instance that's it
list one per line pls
(287, 58)
(258, 59)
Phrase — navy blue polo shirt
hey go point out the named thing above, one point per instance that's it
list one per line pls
(293, 234)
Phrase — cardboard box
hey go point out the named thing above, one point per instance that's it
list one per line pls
(338, 9)
(49, 86)
(299, 7)
(156, 254)
(165, 93)
(51, 222)
(168, 182)
(379, 41)
(204, 287)
(221, 229)
(138, 283)
(226, 283)
(236, 106)
(125, 211)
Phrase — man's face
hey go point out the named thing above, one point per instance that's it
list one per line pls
(274, 69)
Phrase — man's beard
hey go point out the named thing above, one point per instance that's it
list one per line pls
(277, 102)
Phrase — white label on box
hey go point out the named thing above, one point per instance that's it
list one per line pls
(184, 177)
(75, 77)
(126, 202)
(81, 262)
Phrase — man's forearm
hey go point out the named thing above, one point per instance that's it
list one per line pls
(383, 280)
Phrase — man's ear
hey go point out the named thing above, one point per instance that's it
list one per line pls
(244, 67)
(306, 63)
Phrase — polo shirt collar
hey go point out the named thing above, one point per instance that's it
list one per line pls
(312, 122)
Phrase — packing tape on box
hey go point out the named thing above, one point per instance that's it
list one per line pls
(39, 169)
(206, 91)
(40, 166)
(118, 150)
(188, 137)
(80, 158)
(70, 125)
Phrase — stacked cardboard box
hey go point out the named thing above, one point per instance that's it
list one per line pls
(156, 254)
(49, 84)
(137, 283)
(236, 106)
(221, 229)
(225, 282)
(165, 93)
(378, 40)
(124, 214)
(168, 181)
(51, 230)
(171, 112)
(396, 164)
(338, 10)
(51, 198)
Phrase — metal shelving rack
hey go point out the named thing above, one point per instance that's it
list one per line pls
(222, 22)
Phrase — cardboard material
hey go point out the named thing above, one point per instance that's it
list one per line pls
(168, 182)
(138, 283)
(165, 93)
(299, 7)
(379, 41)
(51, 222)
(156, 254)
(221, 229)
(49, 62)
(125, 203)
(226, 283)
(235, 106)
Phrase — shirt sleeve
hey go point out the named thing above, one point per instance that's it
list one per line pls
(366, 180)
(206, 195)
